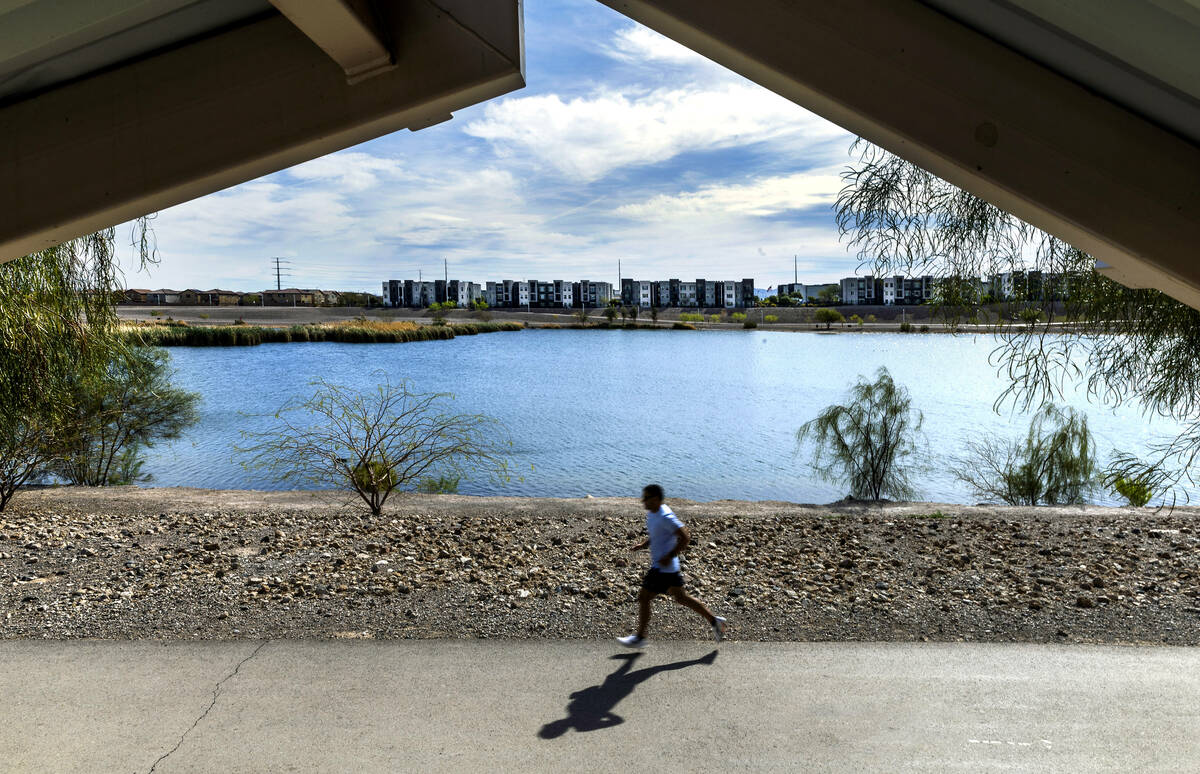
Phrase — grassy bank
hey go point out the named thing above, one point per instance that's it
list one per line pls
(350, 332)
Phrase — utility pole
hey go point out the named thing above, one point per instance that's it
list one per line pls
(796, 269)
(279, 271)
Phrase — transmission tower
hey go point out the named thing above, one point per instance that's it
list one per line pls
(278, 266)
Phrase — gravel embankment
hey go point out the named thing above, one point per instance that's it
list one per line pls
(178, 563)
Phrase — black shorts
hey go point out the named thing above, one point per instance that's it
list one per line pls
(657, 581)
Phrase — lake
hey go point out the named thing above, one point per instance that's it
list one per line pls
(708, 414)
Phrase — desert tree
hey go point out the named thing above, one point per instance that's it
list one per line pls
(1060, 321)
(829, 316)
(870, 442)
(1054, 464)
(375, 442)
(58, 325)
(116, 413)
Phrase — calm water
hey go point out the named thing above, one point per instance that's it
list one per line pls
(710, 415)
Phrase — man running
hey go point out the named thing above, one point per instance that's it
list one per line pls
(666, 538)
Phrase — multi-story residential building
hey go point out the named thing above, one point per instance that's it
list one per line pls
(862, 290)
(588, 293)
(907, 290)
(1032, 285)
(563, 294)
(660, 294)
(393, 293)
(463, 293)
(566, 294)
(628, 291)
(749, 296)
(418, 294)
(726, 294)
(687, 294)
(637, 292)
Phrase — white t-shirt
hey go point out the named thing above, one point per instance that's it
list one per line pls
(661, 526)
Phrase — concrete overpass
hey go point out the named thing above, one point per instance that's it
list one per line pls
(1082, 118)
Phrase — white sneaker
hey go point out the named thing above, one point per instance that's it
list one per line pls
(632, 641)
(718, 628)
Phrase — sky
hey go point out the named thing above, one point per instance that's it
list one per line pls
(624, 145)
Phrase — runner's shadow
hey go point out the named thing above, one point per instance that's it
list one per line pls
(592, 708)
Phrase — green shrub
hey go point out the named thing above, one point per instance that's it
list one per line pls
(156, 313)
(739, 317)
(870, 318)
(203, 315)
(716, 318)
(771, 318)
(691, 317)
(1135, 491)
(856, 320)
(829, 316)
(749, 323)
(439, 484)
(906, 327)
(924, 329)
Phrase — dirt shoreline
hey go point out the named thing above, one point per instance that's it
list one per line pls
(183, 564)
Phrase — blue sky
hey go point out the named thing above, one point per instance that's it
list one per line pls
(623, 145)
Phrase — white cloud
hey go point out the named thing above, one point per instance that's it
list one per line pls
(586, 138)
(521, 203)
(640, 44)
(349, 171)
(761, 198)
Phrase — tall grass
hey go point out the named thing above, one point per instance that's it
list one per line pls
(349, 332)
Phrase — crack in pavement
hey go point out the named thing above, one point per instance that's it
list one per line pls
(211, 704)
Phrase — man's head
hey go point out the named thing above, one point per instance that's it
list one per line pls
(652, 497)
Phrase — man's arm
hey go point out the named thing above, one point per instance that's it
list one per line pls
(644, 544)
(682, 538)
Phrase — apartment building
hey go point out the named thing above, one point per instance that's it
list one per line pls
(463, 293)
(637, 292)
(564, 294)
(588, 293)
(861, 290)
(907, 290)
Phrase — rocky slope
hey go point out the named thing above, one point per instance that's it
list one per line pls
(173, 564)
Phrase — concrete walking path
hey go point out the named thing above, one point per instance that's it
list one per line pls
(563, 706)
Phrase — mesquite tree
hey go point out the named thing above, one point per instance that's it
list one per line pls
(58, 324)
(1059, 321)
(1054, 464)
(869, 442)
(375, 442)
(117, 413)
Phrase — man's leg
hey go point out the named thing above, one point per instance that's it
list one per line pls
(687, 600)
(645, 597)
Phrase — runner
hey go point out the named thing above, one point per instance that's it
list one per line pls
(667, 537)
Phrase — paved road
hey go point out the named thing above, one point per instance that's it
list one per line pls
(466, 706)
